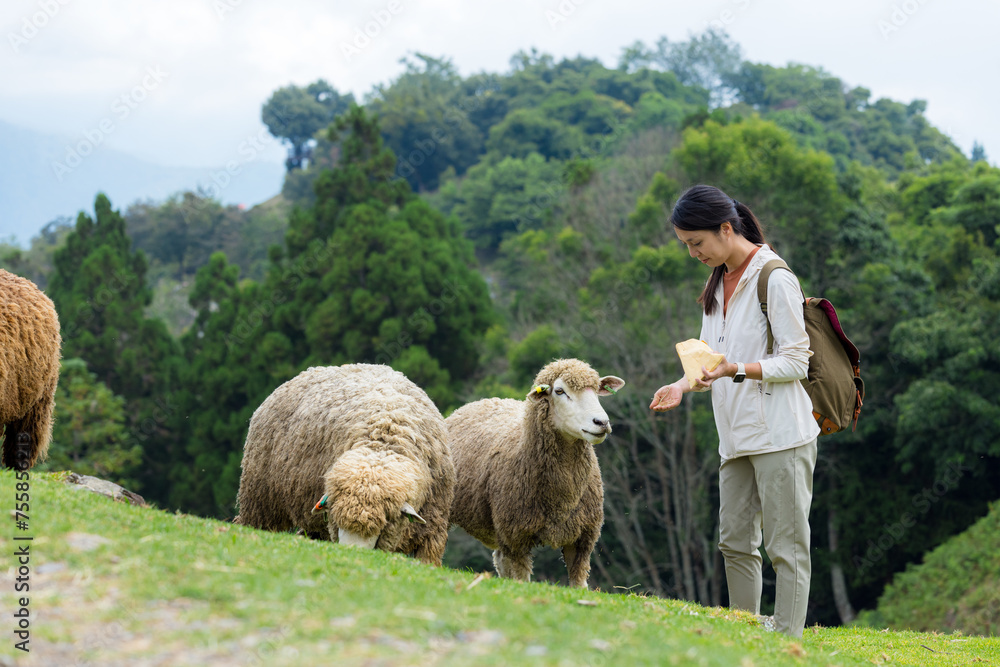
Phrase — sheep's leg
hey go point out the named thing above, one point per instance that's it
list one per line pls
(511, 565)
(10, 445)
(26, 440)
(577, 557)
(569, 557)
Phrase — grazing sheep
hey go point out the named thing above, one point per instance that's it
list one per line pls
(29, 370)
(362, 445)
(526, 473)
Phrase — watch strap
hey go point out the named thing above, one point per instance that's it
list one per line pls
(741, 372)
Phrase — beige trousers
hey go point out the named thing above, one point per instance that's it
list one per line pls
(769, 493)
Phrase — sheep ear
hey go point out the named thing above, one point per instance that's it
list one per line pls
(609, 384)
(321, 505)
(540, 391)
(411, 513)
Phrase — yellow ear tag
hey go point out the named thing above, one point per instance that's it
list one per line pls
(541, 389)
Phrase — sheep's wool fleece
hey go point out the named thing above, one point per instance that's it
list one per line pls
(29, 369)
(366, 436)
(520, 485)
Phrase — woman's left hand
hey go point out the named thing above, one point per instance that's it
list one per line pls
(724, 369)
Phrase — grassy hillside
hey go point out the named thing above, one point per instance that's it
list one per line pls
(118, 585)
(956, 587)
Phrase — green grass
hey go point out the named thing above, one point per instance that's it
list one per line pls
(175, 589)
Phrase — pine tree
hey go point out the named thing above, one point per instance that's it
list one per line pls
(99, 290)
(371, 274)
(89, 436)
(396, 285)
(978, 152)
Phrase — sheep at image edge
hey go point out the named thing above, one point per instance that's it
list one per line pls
(526, 472)
(29, 370)
(356, 454)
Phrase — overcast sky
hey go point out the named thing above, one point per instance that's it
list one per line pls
(182, 82)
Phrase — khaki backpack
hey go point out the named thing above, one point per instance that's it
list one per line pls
(834, 380)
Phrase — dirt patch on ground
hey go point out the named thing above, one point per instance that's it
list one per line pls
(82, 619)
(70, 626)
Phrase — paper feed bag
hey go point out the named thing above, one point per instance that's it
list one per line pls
(694, 354)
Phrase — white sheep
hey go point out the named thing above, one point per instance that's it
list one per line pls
(526, 473)
(356, 454)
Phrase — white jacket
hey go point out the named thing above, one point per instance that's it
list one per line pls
(754, 417)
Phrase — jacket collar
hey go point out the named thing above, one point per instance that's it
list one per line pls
(763, 256)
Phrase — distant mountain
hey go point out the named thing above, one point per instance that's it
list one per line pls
(44, 177)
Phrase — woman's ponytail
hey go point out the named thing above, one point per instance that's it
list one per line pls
(749, 225)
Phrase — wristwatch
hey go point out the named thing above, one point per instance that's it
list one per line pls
(741, 373)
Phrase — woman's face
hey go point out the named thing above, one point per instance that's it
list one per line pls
(709, 247)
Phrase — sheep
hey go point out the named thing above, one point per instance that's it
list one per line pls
(360, 444)
(30, 349)
(526, 473)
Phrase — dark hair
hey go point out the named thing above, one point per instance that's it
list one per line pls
(703, 208)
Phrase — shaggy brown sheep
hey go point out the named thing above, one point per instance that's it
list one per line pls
(29, 370)
(526, 473)
(359, 443)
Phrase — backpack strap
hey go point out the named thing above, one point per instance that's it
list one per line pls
(765, 274)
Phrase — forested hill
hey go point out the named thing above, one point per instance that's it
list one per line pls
(466, 230)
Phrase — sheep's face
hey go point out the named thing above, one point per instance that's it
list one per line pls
(369, 495)
(576, 413)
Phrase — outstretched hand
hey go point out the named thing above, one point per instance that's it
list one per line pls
(667, 398)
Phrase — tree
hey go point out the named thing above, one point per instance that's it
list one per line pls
(370, 274)
(709, 60)
(424, 119)
(35, 263)
(233, 361)
(295, 114)
(975, 206)
(793, 191)
(978, 152)
(948, 350)
(90, 436)
(825, 115)
(495, 201)
(179, 234)
(526, 131)
(100, 292)
(654, 110)
(400, 277)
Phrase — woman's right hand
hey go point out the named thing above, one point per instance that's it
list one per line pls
(667, 398)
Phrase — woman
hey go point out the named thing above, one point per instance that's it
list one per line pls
(767, 434)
